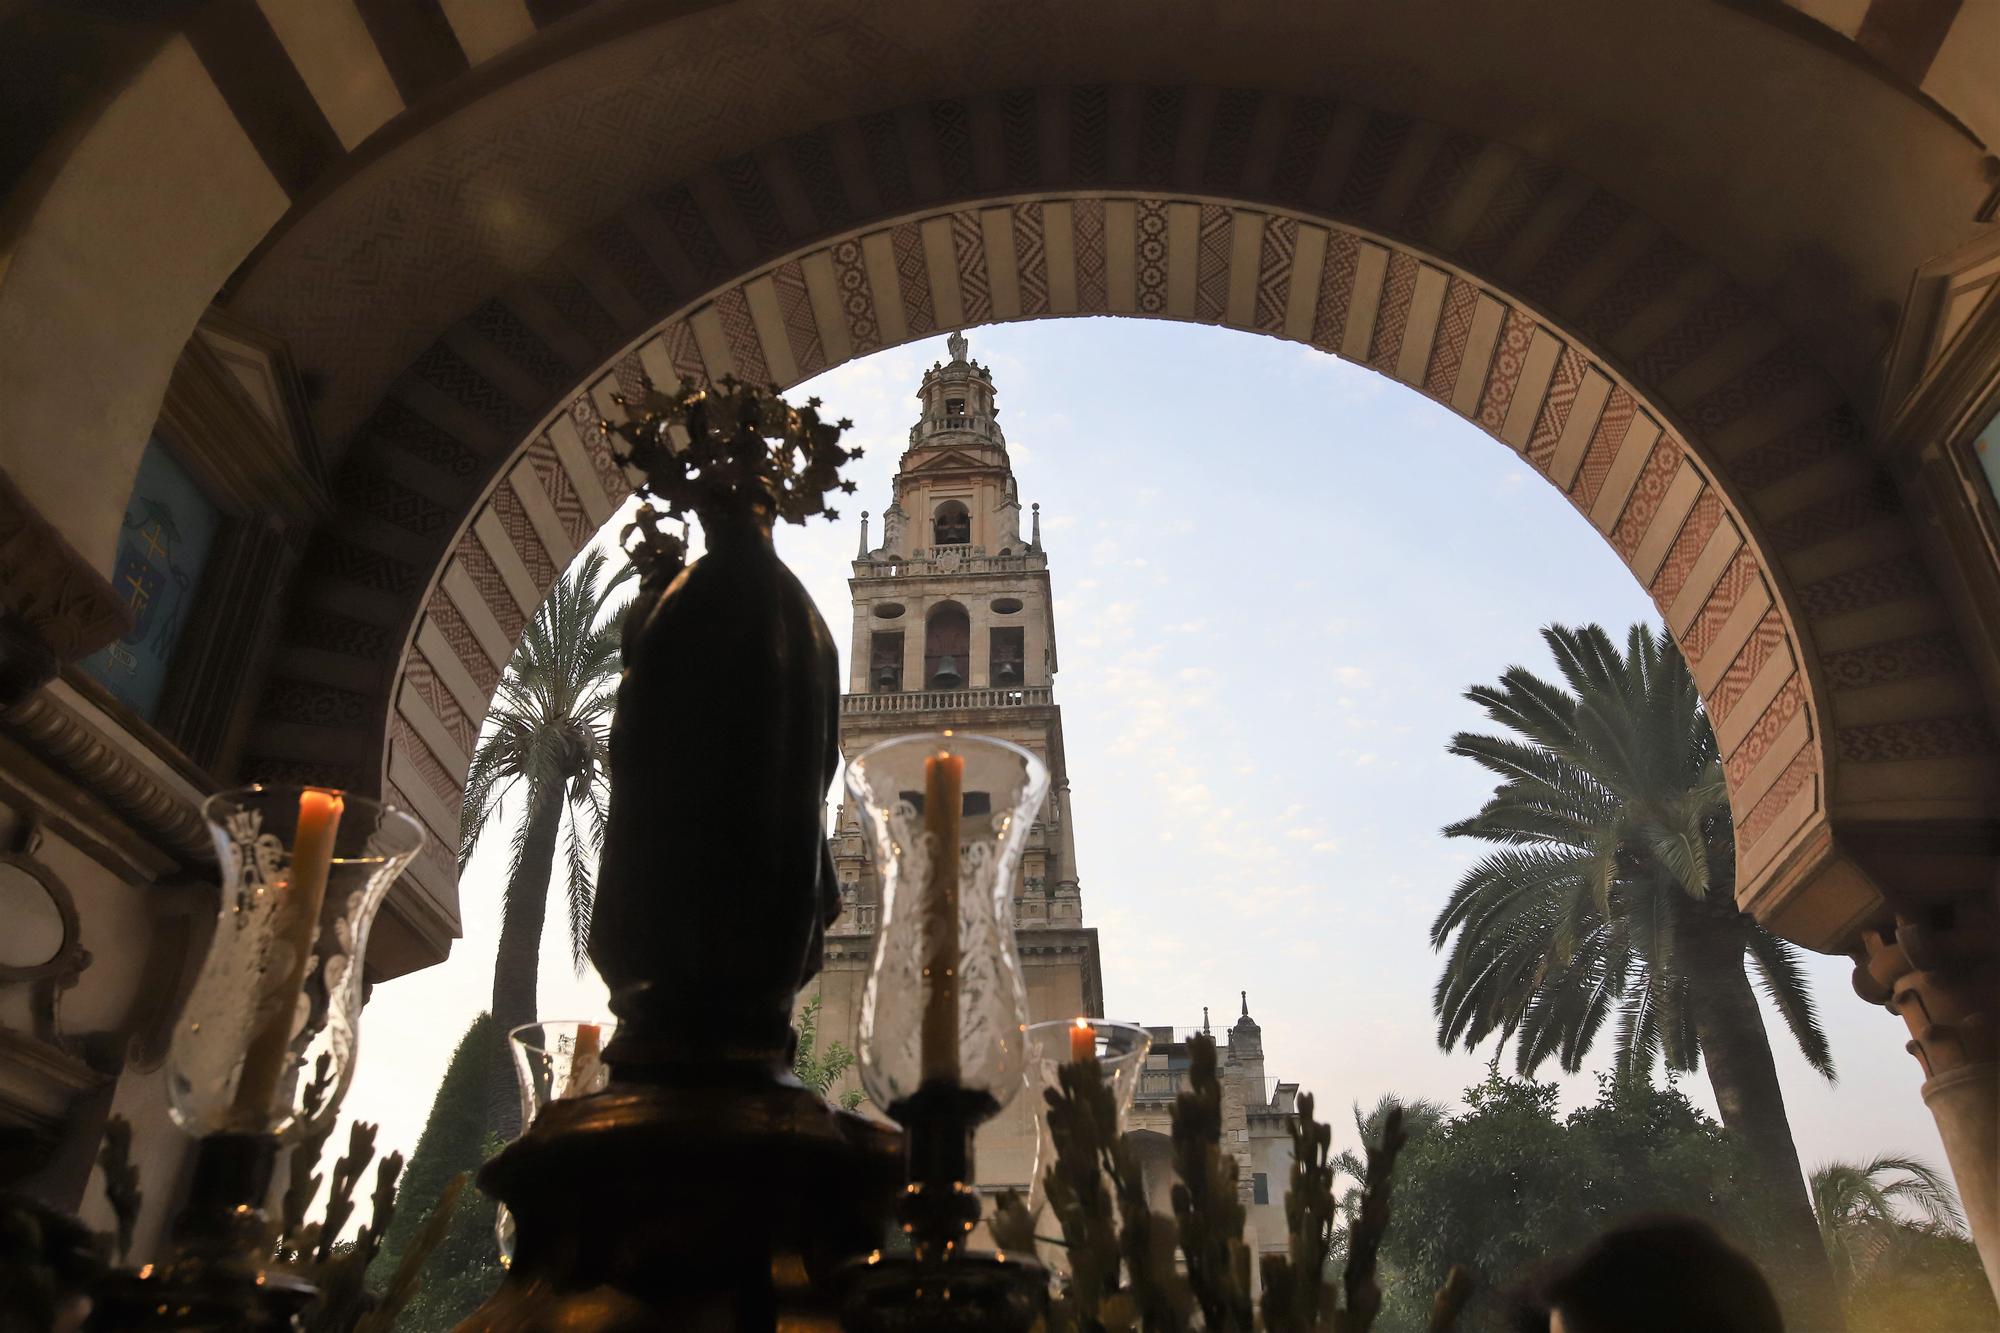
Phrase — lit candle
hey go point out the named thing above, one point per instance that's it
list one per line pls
(297, 927)
(1082, 1040)
(583, 1061)
(944, 780)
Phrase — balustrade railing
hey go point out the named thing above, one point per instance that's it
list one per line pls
(960, 560)
(1163, 1085)
(923, 701)
(1029, 913)
(983, 427)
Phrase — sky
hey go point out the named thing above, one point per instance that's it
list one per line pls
(1275, 574)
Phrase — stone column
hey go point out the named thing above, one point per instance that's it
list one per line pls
(861, 657)
(916, 608)
(1035, 638)
(979, 644)
(1939, 969)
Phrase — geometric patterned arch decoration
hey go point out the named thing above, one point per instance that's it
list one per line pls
(1714, 456)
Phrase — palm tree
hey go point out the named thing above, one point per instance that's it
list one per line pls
(1613, 892)
(1420, 1117)
(546, 734)
(1864, 1210)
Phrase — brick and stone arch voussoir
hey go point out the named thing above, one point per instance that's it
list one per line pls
(1717, 459)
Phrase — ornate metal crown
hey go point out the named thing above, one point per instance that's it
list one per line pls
(730, 449)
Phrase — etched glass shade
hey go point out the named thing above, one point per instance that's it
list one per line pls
(266, 1043)
(947, 817)
(1120, 1050)
(553, 1062)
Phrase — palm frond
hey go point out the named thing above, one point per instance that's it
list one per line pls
(1923, 1187)
(582, 888)
(1638, 1040)
(1863, 1208)
(1783, 983)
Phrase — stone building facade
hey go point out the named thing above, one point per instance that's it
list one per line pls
(1257, 1115)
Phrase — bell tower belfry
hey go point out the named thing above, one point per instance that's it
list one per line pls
(954, 627)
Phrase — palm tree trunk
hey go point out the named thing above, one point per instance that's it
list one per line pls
(517, 962)
(1744, 1077)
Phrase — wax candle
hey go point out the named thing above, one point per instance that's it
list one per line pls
(1082, 1040)
(295, 928)
(944, 781)
(584, 1061)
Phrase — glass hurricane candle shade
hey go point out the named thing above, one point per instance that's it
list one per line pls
(266, 1042)
(1121, 1050)
(552, 1062)
(558, 1060)
(948, 816)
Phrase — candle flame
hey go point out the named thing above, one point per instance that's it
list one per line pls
(1082, 1023)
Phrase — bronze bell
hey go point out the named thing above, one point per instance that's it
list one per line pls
(947, 677)
(1007, 672)
(885, 676)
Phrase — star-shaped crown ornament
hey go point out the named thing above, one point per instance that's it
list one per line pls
(727, 450)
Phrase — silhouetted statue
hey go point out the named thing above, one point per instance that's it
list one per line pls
(716, 886)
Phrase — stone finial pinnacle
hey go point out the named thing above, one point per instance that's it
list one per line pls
(1204, 1018)
(1246, 1002)
(863, 552)
(1035, 540)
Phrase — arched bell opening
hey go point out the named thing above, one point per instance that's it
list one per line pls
(947, 647)
(951, 525)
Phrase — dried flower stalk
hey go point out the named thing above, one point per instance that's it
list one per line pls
(1122, 1274)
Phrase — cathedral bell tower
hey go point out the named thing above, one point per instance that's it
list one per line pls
(954, 627)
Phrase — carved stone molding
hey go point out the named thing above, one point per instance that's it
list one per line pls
(1939, 970)
(233, 414)
(1941, 355)
(106, 782)
(1944, 388)
(39, 1081)
(151, 794)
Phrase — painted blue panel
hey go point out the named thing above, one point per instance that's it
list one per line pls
(169, 528)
